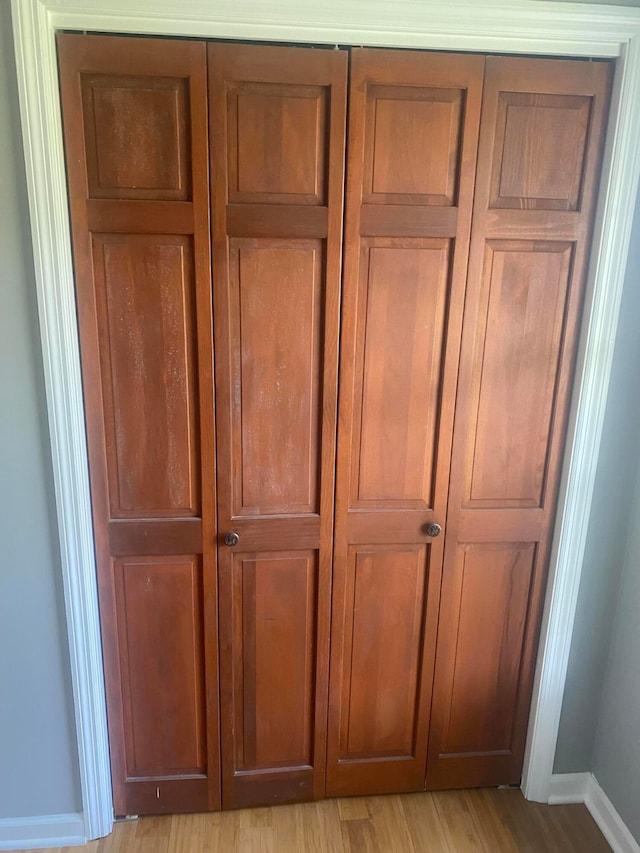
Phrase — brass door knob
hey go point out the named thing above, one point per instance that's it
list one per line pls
(231, 539)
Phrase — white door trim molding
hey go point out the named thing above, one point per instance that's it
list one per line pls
(513, 26)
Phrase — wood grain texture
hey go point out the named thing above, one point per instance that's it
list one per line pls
(277, 164)
(276, 143)
(135, 124)
(517, 357)
(276, 291)
(161, 653)
(493, 587)
(412, 149)
(146, 314)
(399, 167)
(137, 136)
(484, 821)
(539, 154)
(381, 678)
(404, 299)
(541, 138)
(274, 653)
(419, 353)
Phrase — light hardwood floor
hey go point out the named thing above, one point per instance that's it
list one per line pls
(491, 821)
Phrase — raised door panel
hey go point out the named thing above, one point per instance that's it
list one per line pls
(386, 596)
(539, 151)
(135, 122)
(493, 583)
(399, 166)
(153, 112)
(412, 145)
(541, 139)
(145, 301)
(404, 301)
(517, 354)
(274, 651)
(160, 640)
(276, 143)
(277, 149)
(276, 293)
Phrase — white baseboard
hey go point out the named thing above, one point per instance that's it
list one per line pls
(569, 788)
(584, 788)
(27, 833)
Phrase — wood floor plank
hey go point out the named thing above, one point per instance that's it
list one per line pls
(359, 836)
(197, 833)
(424, 824)
(256, 839)
(460, 826)
(495, 832)
(479, 821)
(578, 829)
(390, 824)
(530, 824)
(354, 808)
(326, 836)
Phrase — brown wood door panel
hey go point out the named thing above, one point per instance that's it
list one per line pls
(494, 583)
(149, 374)
(540, 145)
(412, 146)
(277, 151)
(135, 123)
(161, 656)
(399, 365)
(153, 111)
(276, 315)
(384, 588)
(519, 342)
(273, 669)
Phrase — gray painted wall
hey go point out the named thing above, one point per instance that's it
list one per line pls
(38, 760)
(616, 761)
(607, 539)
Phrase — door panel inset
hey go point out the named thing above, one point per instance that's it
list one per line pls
(412, 145)
(160, 631)
(517, 354)
(277, 292)
(404, 301)
(276, 143)
(145, 302)
(494, 583)
(274, 642)
(381, 682)
(137, 137)
(539, 154)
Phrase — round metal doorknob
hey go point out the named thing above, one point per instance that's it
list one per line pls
(433, 529)
(231, 539)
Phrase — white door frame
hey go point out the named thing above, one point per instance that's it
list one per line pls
(502, 26)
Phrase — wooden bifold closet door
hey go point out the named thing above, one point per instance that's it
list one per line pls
(541, 138)
(412, 154)
(136, 145)
(277, 159)
(335, 585)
